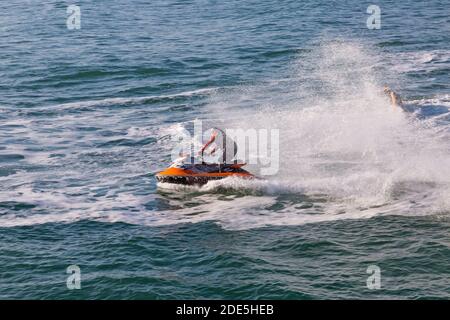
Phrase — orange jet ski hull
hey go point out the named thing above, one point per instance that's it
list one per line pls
(189, 177)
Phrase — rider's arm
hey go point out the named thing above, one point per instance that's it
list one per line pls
(396, 101)
(211, 140)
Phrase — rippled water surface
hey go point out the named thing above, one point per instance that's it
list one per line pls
(87, 118)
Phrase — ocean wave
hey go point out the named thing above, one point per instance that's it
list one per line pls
(418, 61)
(129, 100)
(346, 154)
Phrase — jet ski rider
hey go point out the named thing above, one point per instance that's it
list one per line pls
(213, 153)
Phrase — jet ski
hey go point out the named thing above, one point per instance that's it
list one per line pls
(200, 174)
(200, 171)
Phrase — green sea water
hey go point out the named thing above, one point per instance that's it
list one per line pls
(87, 116)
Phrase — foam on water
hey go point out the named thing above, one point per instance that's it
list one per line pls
(345, 153)
(348, 143)
(440, 100)
(129, 100)
(419, 60)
